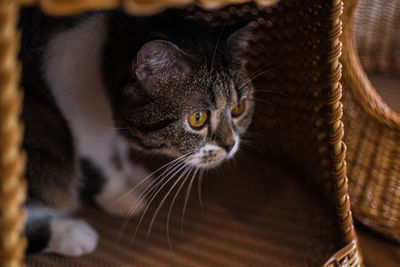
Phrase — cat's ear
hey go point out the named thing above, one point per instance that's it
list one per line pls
(158, 60)
(238, 38)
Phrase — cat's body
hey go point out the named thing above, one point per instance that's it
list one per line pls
(102, 82)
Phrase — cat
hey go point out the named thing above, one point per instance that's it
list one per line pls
(103, 82)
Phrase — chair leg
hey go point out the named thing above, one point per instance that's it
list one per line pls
(12, 159)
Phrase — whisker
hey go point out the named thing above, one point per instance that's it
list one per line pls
(165, 197)
(252, 134)
(152, 199)
(235, 164)
(142, 154)
(199, 185)
(241, 69)
(263, 66)
(156, 184)
(163, 176)
(147, 177)
(247, 149)
(148, 190)
(262, 101)
(256, 75)
(187, 195)
(254, 137)
(188, 171)
(216, 47)
(173, 164)
(252, 146)
(260, 71)
(244, 64)
(246, 141)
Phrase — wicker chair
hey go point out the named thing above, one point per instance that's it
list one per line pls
(281, 220)
(372, 127)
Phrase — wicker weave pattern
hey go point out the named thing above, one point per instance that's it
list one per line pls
(307, 124)
(139, 7)
(377, 34)
(12, 160)
(336, 130)
(345, 257)
(373, 138)
(374, 170)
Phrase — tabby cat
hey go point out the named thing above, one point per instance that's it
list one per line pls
(100, 83)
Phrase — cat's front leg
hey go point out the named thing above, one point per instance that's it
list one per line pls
(121, 194)
(121, 183)
(53, 184)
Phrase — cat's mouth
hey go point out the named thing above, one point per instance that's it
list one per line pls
(209, 161)
(210, 156)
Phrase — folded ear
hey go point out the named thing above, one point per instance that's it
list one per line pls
(158, 61)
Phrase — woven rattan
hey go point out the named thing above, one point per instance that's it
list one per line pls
(377, 34)
(300, 39)
(12, 159)
(373, 139)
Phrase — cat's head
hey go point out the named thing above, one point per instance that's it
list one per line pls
(191, 99)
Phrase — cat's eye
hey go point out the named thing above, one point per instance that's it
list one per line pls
(198, 119)
(239, 108)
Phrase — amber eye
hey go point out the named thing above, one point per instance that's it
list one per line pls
(239, 108)
(198, 119)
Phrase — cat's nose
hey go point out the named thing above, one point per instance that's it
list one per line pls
(228, 147)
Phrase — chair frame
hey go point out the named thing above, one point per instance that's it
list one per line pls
(12, 184)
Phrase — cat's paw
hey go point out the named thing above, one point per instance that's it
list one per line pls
(71, 237)
(124, 204)
(138, 176)
(123, 197)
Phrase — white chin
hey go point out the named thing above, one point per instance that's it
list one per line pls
(211, 155)
(210, 165)
(201, 162)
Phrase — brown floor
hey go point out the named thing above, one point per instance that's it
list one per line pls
(252, 216)
(377, 251)
(249, 218)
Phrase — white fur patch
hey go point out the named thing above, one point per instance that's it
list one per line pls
(214, 120)
(211, 155)
(209, 147)
(71, 237)
(203, 159)
(235, 147)
(119, 199)
(72, 69)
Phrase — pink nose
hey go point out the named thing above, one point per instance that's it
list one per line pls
(228, 147)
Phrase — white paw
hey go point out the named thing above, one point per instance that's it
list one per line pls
(71, 237)
(121, 197)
